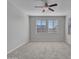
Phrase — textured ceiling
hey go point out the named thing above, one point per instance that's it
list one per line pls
(28, 5)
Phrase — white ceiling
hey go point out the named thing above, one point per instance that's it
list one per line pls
(28, 5)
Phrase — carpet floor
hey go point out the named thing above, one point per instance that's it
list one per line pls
(42, 50)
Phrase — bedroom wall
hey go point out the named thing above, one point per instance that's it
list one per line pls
(67, 14)
(68, 36)
(17, 28)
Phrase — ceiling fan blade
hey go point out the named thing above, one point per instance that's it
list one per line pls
(38, 6)
(51, 9)
(53, 5)
(46, 4)
(43, 10)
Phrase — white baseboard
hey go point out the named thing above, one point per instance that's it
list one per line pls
(17, 47)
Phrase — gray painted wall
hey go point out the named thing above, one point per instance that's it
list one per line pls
(17, 27)
(58, 36)
(68, 36)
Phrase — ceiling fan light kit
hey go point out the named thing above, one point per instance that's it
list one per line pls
(46, 6)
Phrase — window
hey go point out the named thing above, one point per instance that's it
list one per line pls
(52, 25)
(44, 25)
(41, 25)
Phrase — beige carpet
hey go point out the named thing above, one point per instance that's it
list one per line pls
(42, 50)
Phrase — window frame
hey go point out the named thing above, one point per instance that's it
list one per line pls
(41, 29)
(46, 29)
(54, 23)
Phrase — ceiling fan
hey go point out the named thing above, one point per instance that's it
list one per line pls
(47, 6)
